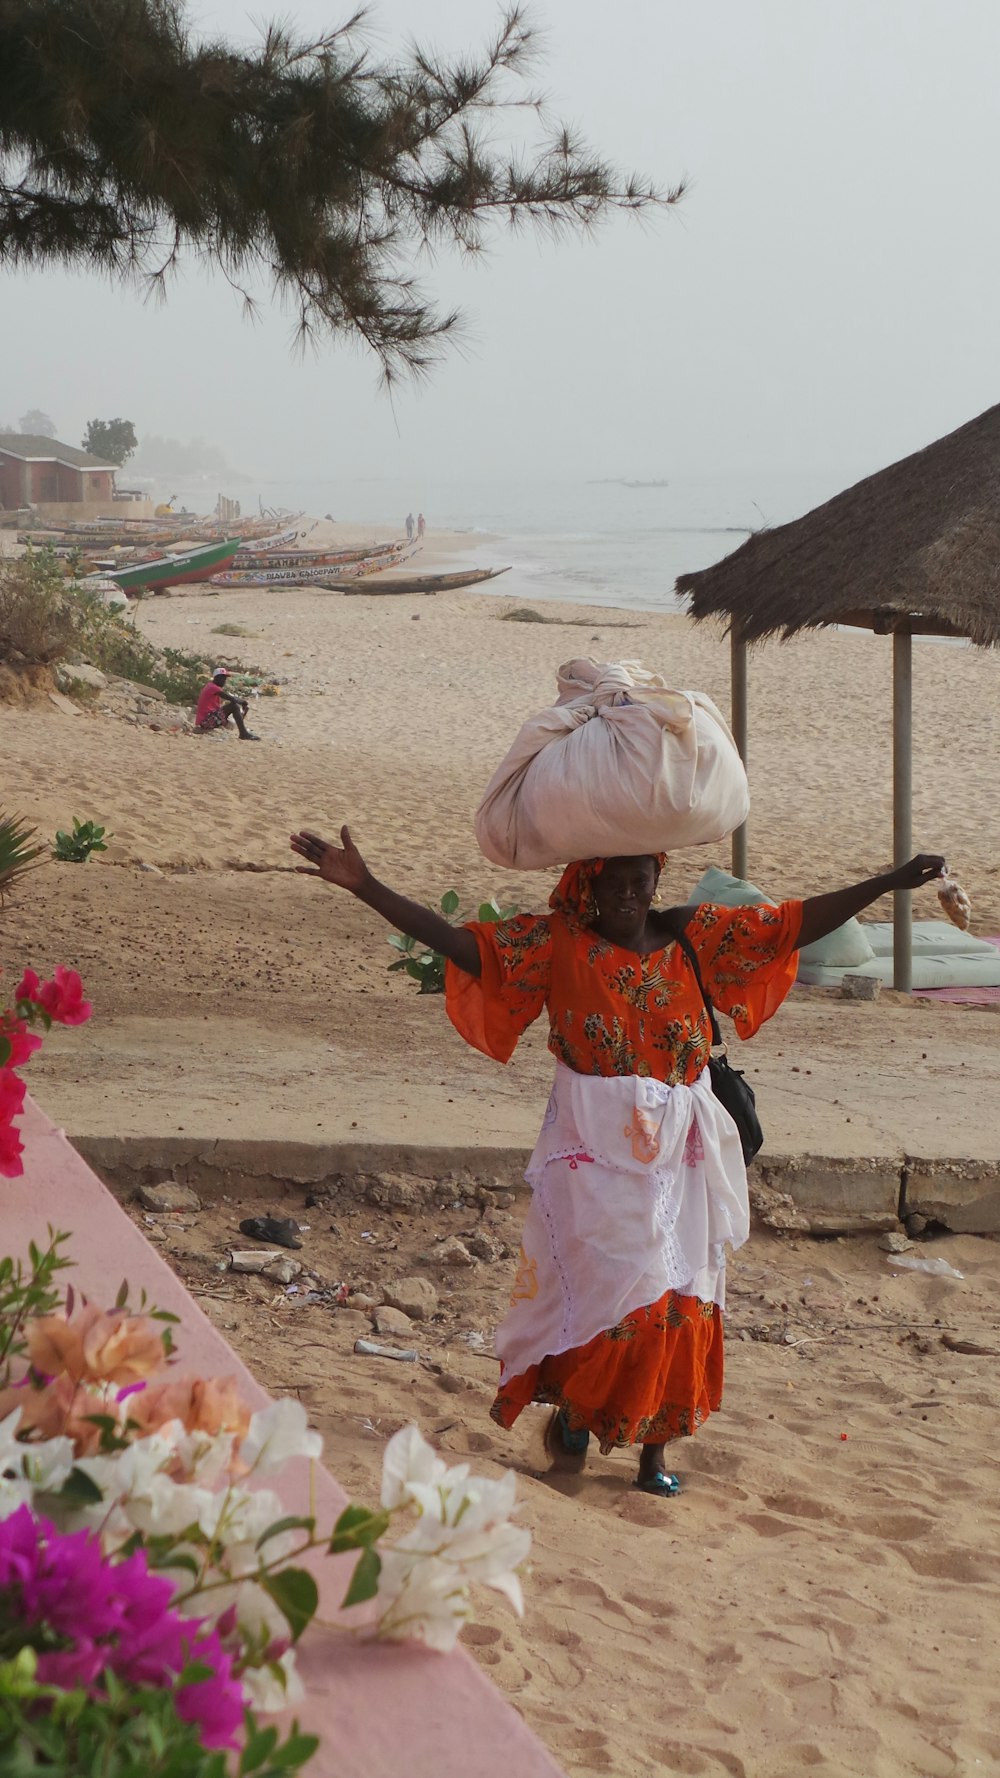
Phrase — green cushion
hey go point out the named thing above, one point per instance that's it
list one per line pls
(730, 892)
(844, 948)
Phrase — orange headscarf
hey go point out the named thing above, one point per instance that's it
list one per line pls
(574, 895)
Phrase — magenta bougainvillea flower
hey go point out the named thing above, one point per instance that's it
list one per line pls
(60, 1002)
(61, 998)
(108, 1616)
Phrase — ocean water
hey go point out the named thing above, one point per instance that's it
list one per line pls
(596, 542)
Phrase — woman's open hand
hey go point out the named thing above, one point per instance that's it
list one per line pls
(922, 869)
(342, 865)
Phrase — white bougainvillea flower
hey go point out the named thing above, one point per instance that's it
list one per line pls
(242, 1521)
(463, 1534)
(278, 1432)
(420, 1598)
(410, 1467)
(259, 1617)
(25, 1468)
(266, 1691)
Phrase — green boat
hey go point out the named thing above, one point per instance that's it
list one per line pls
(166, 571)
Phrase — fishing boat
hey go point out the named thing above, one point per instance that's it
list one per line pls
(257, 561)
(189, 565)
(422, 583)
(314, 575)
(260, 546)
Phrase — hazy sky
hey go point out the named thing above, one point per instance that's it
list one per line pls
(828, 294)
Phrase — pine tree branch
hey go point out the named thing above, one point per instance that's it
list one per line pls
(125, 146)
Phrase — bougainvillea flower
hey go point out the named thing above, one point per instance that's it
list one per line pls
(98, 1345)
(61, 998)
(22, 1042)
(113, 1617)
(201, 1404)
(61, 1408)
(12, 1091)
(11, 1150)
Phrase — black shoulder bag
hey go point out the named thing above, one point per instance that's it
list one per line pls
(730, 1087)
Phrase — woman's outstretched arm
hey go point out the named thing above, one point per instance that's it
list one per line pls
(823, 913)
(344, 866)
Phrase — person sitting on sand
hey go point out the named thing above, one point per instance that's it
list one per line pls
(638, 1175)
(215, 708)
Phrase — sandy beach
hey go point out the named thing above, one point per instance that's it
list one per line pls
(814, 1601)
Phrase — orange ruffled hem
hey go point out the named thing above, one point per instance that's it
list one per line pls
(656, 1376)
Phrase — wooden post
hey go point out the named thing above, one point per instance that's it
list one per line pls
(738, 700)
(902, 803)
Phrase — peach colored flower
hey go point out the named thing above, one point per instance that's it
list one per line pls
(99, 1345)
(202, 1404)
(60, 1409)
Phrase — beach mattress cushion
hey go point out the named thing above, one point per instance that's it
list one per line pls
(844, 948)
(952, 971)
(931, 938)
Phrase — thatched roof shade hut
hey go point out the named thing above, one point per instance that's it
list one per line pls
(913, 550)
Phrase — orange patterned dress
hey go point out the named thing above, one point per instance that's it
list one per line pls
(656, 1373)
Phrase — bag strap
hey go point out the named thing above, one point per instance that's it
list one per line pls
(692, 956)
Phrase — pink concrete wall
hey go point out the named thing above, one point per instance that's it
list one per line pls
(383, 1711)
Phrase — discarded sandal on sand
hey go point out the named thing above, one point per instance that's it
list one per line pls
(562, 1442)
(666, 1486)
(279, 1231)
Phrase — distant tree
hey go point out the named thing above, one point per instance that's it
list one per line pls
(114, 440)
(124, 144)
(38, 422)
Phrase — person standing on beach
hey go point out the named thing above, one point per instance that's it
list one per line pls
(638, 1177)
(409, 527)
(421, 526)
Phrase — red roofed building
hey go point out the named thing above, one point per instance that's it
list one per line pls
(38, 471)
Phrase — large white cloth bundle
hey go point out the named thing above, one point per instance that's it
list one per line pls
(621, 764)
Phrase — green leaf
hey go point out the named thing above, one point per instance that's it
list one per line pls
(449, 903)
(298, 1749)
(401, 944)
(296, 1595)
(489, 912)
(80, 1489)
(364, 1580)
(291, 1523)
(122, 1298)
(357, 1528)
(260, 1745)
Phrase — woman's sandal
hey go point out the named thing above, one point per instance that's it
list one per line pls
(562, 1442)
(666, 1486)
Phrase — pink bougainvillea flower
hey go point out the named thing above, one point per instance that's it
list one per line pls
(12, 1091)
(113, 1617)
(62, 997)
(105, 1346)
(11, 1150)
(23, 1043)
(28, 987)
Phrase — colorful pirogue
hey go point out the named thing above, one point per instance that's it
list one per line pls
(317, 572)
(266, 561)
(423, 583)
(177, 570)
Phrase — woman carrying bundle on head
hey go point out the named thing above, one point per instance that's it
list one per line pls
(638, 1177)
